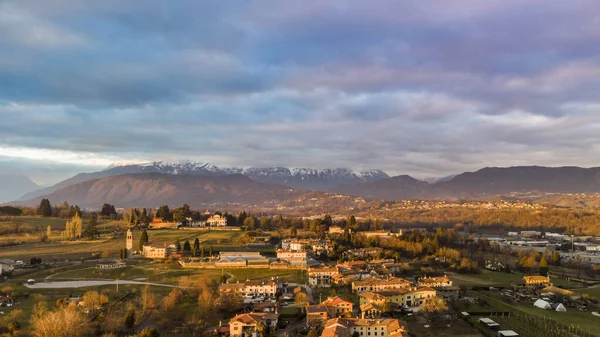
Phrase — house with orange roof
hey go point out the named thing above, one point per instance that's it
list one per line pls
(348, 327)
(247, 324)
(332, 307)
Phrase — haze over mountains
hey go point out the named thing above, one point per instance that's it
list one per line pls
(153, 184)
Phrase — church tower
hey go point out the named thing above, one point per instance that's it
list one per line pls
(129, 244)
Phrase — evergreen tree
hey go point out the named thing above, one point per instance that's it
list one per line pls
(143, 240)
(164, 213)
(108, 210)
(92, 229)
(178, 246)
(187, 247)
(294, 231)
(241, 218)
(144, 217)
(196, 247)
(543, 266)
(202, 251)
(45, 208)
(210, 250)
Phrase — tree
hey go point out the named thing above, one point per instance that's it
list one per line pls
(543, 266)
(130, 319)
(48, 232)
(250, 223)
(143, 240)
(144, 217)
(294, 231)
(556, 258)
(434, 304)
(202, 251)
(264, 330)
(187, 247)
(196, 247)
(312, 333)
(67, 321)
(300, 297)
(108, 210)
(93, 300)
(45, 208)
(164, 213)
(265, 222)
(178, 246)
(388, 307)
(92, 228)
(210, 251)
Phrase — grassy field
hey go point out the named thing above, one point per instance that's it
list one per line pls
(485, 278)
(584, 320)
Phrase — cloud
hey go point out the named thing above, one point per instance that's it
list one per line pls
(410, 87)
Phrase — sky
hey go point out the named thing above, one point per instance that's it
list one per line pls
(426, 88)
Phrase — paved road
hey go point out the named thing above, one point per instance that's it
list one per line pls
(81, 284)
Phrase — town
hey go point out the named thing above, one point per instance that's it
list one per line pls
(182, 271)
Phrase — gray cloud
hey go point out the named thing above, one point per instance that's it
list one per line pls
(410, 87)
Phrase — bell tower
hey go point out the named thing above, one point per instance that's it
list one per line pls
(129, 244)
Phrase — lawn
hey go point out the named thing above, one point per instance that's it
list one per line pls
(485, 278)
(584, 320)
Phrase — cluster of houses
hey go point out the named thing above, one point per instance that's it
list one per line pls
(335, 315)
(215, 221)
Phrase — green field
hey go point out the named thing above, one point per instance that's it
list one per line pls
(485, 278)
(584, 320)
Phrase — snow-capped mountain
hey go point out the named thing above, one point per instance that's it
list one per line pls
(299, 178)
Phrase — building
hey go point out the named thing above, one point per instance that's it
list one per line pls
(535, 282)
(336, 230)
(435, 282)
(337, 306)
(266, 288)
(407, 297)
(246, 324)
(380, 234)
(6, 266)
(293, 257)
(378, 284)
(129, 243)
(371, 310)
(158, 223)
(321, 277)
(348, 327)
(241, 259)
(152, 252)
(316, 314)
(216, 221)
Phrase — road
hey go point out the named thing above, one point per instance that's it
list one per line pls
(96, 283)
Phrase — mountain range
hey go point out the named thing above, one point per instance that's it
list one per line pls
(200, 185)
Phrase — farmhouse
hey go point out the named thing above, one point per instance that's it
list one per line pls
(346, 327)
(408, 297)
(247, 324)
(152, 252)
(377, 284)
(321, 277)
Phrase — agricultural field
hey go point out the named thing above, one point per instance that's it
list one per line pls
(584, 320)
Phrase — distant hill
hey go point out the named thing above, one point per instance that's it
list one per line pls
(395, 188)
(13, 186)
(153, 190)
(494, 181)
(300, 178)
